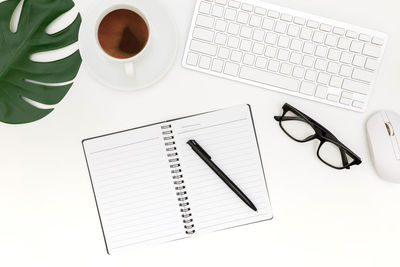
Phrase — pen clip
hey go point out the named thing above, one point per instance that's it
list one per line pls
(195, 146)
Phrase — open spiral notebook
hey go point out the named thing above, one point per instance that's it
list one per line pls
(150, 187)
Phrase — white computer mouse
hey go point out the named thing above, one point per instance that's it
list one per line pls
(383, 130)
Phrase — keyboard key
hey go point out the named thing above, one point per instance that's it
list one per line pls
(220, 38)
(372, 51)
(258, 48)
(223, 52)
(362, 75)
(321, 91)
(261, 62)
(242, 17)
(245, 45)
(311, 75)
(312, 24)
(299, 21)
(233, 28)
(205, 62)
(286, 17)
(356, 46)
(245, 32)
(220, 25)
(321, 64)
(333, 54)
(221, 2)
(283, 41)
(346, 94)
(333, 98)
(236, 56)
(217, 11)
(345, 71)
(308, 61)
(298, 72)
(309, 48)
(217, 65)
(273, 14)
(233, 42)
(271, 38)
(260, 11)
(205, 21)
(325, 27)
(377, 41)
(346, 101)
(293, 30)
(331, 40)
(338, 31)
(283, 55)
(268, 24)
(204, 48)
(351, 34)
(192, 59)
(230, 14)
(247, 7)
(346, 58)
(270, 51)
(335, 82)
(371, 64)
(323, 78)
(358, 104)
(231, 69)
(296, 58)
(318, 37)
(268, 78)
(205, 8)
(273, 65)
(248, 59)
(258, 35)
(344, 43)
(296, 45)
(255, 21)
(280, 27)
(333, 67)
(321, 51)
(234, 4)
(364, 38)
(359, 61)
(305, 34)
(286, 69)
(203, 34)
(307, 88)
(354, 86)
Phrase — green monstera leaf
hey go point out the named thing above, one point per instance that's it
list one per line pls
(22, 79)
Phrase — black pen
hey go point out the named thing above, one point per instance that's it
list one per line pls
(207, 159)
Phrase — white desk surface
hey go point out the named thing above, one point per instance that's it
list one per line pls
(322, 217)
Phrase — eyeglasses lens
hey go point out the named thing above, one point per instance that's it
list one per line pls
(296, 126)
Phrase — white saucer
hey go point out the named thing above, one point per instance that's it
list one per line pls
(160, 54)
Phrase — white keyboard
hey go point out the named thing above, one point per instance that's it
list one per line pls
(285, 50)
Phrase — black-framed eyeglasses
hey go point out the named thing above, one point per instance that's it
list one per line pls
(302, 128)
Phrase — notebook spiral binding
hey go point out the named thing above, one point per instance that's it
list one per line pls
(177, 177)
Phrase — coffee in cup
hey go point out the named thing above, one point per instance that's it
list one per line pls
(123, 33)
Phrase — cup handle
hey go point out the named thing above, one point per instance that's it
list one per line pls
(130, 69)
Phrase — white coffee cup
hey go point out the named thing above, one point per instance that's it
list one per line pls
(128, 63)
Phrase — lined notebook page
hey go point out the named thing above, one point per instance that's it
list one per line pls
(228, 136)
(133, 188)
